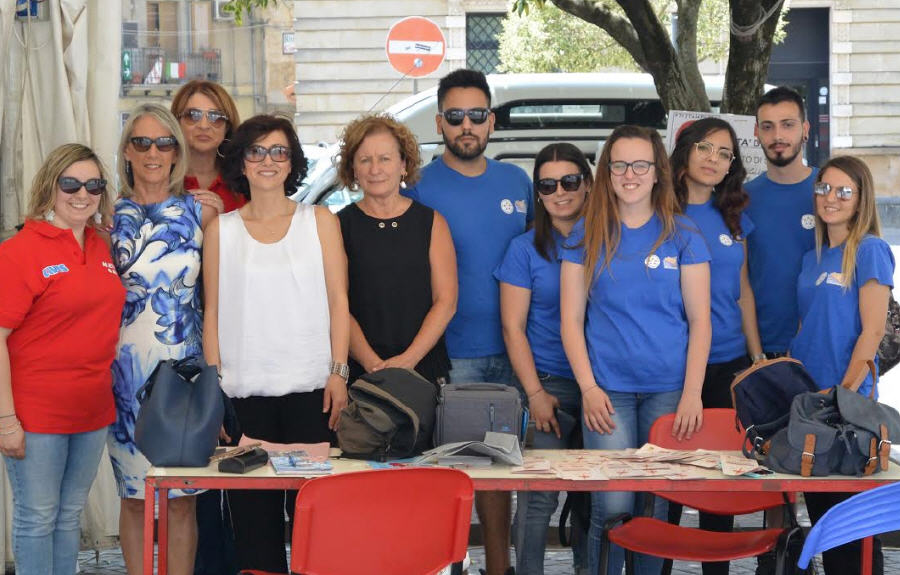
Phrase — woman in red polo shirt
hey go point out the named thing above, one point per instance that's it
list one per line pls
(208, 117)
(60, 306)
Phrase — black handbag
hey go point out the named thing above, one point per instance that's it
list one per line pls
(181, 412)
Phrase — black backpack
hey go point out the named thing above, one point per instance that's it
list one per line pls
(390, 415)
(763, 394)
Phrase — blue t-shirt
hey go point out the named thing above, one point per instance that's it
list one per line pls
(484, 213)
(635, 323)
(829, 315)
(783, 216)
(728, 341)
(524, 267)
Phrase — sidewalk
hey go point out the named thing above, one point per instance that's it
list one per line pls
(558, 561)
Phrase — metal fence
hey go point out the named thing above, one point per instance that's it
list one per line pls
(153, 66)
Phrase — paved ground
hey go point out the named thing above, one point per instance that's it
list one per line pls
(558, 561)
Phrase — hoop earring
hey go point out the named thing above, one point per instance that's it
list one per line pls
(218, 151)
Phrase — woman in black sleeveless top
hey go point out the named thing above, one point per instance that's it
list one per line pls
(401, 261)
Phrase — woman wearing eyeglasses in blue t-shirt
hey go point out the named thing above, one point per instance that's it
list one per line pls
(634, 301)
(843, 292)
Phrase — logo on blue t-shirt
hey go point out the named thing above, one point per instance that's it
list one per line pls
(53, 270)
(652, 261)
(725, 240)
(808, 221)
(506, 205)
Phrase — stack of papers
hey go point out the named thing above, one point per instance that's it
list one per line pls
(298, 463)
(501, 447)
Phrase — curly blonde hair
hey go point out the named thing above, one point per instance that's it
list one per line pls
(359, 129)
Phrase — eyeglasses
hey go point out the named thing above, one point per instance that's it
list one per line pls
(842, 192)
(257, 153)
(569, 182)
(163, 143)
(70, 185)
(455, 116)
(214, 117)
(638, 167)
(707, 149)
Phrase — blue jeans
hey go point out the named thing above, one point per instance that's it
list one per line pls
(635, 413)
(535, 508)
(487, 369)
(50, 487)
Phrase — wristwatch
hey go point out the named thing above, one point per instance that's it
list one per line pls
(341, 369)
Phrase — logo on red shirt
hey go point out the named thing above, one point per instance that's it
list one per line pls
(53, 270)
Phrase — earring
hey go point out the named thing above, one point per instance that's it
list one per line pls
(354, 186)
(402, 184)
(218, 152)
(98, 218)
(127, 167)
(50, 215)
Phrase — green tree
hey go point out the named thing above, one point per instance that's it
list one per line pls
(640, 28)
(241, 7)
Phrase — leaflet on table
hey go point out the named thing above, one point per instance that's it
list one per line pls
(298, 463)
(500, 447)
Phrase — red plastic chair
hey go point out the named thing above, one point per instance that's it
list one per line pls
(652, 536)
(413, 521)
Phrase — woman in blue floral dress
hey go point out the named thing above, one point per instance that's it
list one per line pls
(157, 240)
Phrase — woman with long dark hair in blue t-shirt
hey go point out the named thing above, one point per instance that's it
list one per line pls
(634, 306)
(708, 177)
(529, 307)
(843, 293)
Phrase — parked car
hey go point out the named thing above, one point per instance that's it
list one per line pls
(531, 110)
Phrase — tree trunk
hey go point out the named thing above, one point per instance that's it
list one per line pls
(748, 55)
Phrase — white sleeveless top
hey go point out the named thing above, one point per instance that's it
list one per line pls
(274, 326)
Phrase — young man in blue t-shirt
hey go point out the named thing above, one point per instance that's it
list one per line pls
(486, 204)
(781, 207)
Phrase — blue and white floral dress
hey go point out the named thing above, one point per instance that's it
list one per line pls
(156, 250)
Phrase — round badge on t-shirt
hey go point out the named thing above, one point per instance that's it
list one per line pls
(725, 240)
(506, 205)
(652, 261)
(808, 221)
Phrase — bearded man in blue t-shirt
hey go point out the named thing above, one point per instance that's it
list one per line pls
(486, 204)
(781, 207)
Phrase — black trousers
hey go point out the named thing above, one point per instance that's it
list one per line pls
(716, 393)
(842, 560)
(258, 515)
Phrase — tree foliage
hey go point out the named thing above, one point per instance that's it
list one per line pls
(641, 30)
(241, 7)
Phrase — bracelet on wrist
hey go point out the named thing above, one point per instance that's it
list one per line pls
(12, 431)
(593, 387)
(10, 424)
(757, 357)
(536, 393)
(13, 414)
(341, 369)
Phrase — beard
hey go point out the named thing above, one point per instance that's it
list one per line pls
(462, 151)
(782, 159)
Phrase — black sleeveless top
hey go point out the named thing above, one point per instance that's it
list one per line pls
(390, 283)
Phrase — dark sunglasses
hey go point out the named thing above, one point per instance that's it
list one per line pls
(214, 117)
(455, 116)
(257, 153)
(163, 143)
(569, 183)
(842, 192)
(70, 185)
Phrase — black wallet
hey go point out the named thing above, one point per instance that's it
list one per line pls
(244, 462)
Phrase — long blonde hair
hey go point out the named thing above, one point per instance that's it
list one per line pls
(602, 223)
(46, 181)
(168, 121)
(863, 222)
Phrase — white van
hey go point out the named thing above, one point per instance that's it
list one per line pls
(532, 110)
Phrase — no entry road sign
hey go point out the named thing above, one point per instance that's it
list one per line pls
(415, 46)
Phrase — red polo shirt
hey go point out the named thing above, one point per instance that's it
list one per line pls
(232, 200)
(64, 306)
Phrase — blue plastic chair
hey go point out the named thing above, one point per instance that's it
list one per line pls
(865, 514)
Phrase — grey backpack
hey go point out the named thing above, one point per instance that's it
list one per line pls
(835, 431)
